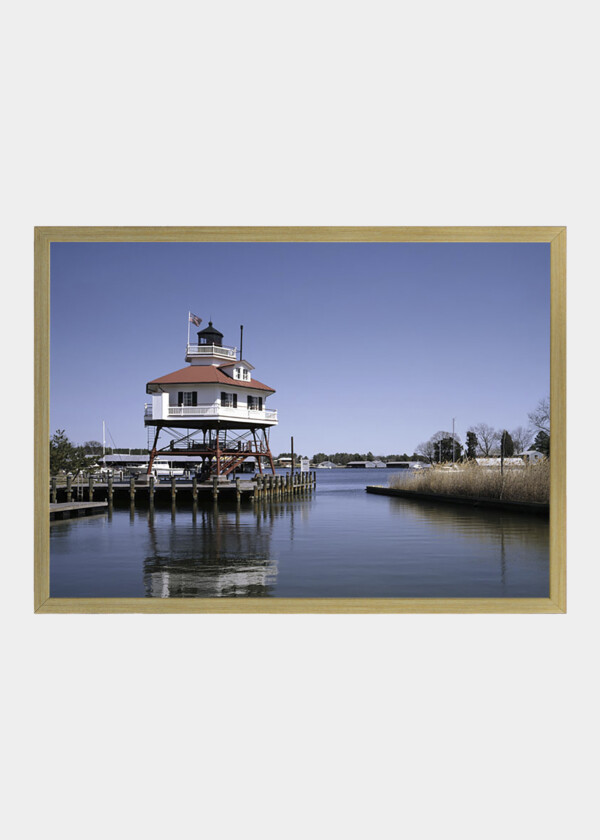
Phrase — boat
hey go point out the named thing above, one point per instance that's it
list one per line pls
(162, 469)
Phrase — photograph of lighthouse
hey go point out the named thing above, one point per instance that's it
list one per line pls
(300, 420)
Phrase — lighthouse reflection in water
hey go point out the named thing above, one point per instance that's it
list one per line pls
(216, 552)
(337, 542)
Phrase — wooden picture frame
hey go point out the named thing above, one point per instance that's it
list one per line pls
(555, 236)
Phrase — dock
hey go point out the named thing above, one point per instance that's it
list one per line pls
(65, 510)
(261, 487)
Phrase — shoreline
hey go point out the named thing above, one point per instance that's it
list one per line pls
(535, 508)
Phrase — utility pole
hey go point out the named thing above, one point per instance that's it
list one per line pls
(453, 439)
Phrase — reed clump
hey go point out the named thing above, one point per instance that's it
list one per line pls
(529, 483)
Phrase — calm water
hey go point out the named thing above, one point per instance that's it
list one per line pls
(341, 542)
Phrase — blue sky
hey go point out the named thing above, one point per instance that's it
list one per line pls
(369, 346)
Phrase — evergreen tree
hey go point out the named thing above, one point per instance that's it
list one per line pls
(472, 444)
(65, 456)
(542, 443)
(451, 449)
(508, 447)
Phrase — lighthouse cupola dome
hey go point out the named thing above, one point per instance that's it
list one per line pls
(210, 335)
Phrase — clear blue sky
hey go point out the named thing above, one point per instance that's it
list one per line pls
(369, 346)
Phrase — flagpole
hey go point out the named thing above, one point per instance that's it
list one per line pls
(188, 343)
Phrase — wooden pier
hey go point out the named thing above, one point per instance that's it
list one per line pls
(65, 510)
(260, 487)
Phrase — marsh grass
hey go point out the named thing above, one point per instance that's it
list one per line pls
(529, 483)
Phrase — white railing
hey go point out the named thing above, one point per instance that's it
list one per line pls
(216, 410)
(189, 410)
(211, 350)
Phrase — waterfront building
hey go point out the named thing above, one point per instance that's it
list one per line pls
(213, 410)
(531, 456)
(495, 462)
(376, 464)
(404, 465)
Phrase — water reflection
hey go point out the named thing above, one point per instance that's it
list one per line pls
(474, 523)
(219, 552)
(512, 541)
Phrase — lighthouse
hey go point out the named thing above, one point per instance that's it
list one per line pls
(213, 410)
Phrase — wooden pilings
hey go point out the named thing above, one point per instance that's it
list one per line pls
(276, 487)
(261, 487)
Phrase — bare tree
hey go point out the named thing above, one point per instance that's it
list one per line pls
(487, 438)
(540, 416)
(426, 449)
(521, 438)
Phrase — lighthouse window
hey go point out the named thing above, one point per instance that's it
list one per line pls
(255, 403)
(187, 398)
(228, 400)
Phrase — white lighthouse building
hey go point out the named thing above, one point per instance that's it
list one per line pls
(213, 410)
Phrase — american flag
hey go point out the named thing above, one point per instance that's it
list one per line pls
(195, 320)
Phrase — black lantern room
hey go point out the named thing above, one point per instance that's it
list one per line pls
(210, 335)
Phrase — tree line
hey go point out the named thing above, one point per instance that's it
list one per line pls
(343, 458)
(67, 456)
(483, 440)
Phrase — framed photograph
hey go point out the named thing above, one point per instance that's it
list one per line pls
(300, 420)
